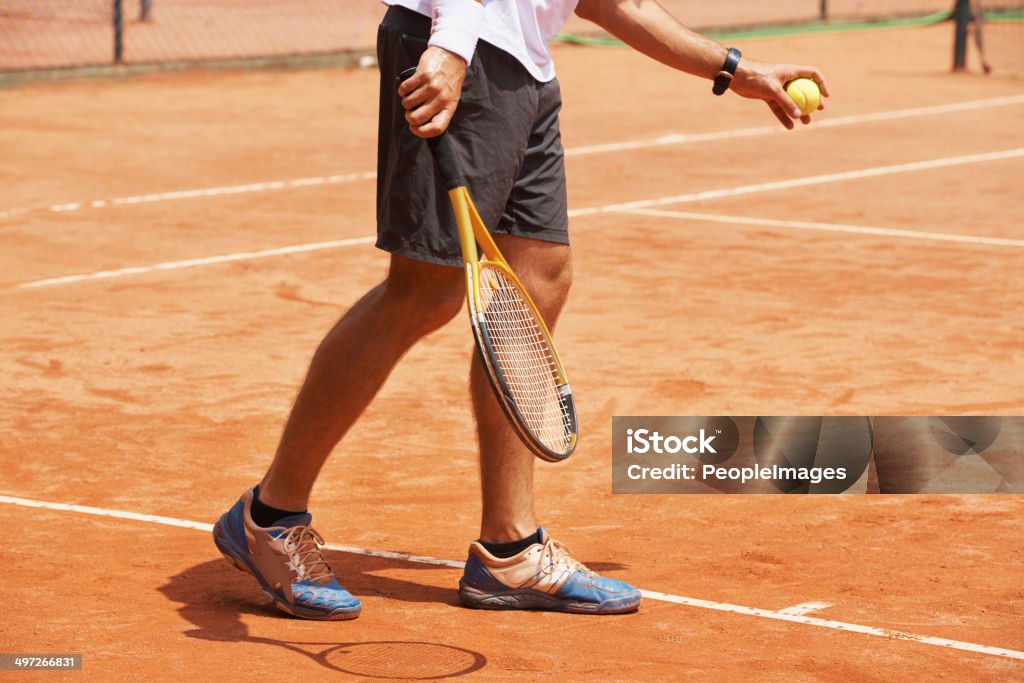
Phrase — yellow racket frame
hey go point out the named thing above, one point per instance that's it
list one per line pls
(473, 231)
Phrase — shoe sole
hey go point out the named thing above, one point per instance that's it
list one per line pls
(226, 548)
(529, 599)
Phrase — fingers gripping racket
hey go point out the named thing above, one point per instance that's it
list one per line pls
(514, 344)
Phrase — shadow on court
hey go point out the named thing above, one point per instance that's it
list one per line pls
(213, 597)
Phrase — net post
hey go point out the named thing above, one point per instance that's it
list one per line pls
(823, 10)
(144, 9)
(118, 33)
(962, 19)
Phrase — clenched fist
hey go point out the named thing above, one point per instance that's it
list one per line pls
(430, 96)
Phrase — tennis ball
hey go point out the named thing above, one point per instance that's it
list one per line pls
(805, 92)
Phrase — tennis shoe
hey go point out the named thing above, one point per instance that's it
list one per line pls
(286, 560)
(542, 577)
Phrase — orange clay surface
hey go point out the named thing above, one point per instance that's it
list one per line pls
(163, 392)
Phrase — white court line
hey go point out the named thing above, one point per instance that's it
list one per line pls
(103, 512)
(804, 182)
(828, 122)
(577, 213)
(11, 213)
(832, 227)
(211, 192)
(804, 608)
(838, 625)
(392, 555)
(587, 150)
(649, 595)
(192, 263)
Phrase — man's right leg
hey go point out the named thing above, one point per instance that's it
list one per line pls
(351, 365)
(348, 369)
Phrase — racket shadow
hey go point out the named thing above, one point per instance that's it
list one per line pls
(214, 597)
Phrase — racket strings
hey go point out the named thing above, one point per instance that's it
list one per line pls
(525, 360)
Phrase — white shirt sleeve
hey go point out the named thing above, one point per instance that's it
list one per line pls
(456, 26)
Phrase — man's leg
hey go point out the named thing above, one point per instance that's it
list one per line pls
(267, 532)
(515, 565)
(506, 465)
(351, 365)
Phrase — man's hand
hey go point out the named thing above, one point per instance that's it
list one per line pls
(430, 96)
(761, 81)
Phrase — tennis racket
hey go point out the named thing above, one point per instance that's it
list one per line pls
(514, 344)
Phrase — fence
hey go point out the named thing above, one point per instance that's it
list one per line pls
(37, 35)
(54, 34)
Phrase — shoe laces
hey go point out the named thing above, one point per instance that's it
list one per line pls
(302, 543)
(556, 556)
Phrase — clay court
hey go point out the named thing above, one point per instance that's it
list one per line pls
(175, 246)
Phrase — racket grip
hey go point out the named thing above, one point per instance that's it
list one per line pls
(444, 155)
(442, 151)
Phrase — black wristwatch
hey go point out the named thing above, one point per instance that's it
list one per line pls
(724, 77)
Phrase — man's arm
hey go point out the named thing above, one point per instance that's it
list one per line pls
(645, 26)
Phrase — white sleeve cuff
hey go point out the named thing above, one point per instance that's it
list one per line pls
(456, 26)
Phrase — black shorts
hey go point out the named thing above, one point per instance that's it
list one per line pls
(505, 133)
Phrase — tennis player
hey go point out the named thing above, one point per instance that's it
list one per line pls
(486, 71)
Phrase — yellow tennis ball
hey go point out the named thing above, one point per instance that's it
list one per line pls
(805, 92)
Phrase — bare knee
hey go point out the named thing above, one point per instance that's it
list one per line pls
(557, 274)
(545, 269)
(427, 295)
(558, 278)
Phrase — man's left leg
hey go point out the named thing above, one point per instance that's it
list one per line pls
(506, 465)
(515, 565)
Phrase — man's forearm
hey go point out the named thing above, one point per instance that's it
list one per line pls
(645, 26)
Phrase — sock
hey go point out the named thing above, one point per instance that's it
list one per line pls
(264, 515)
(505, 550)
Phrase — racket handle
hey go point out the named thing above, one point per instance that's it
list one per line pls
(442, 150)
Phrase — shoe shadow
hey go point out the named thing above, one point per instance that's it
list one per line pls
(367, 575)
(606, 567)
(213, 597)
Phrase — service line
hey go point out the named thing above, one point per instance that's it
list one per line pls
(832, 227)
(194, 262)
(625, 207)
(807, 181)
